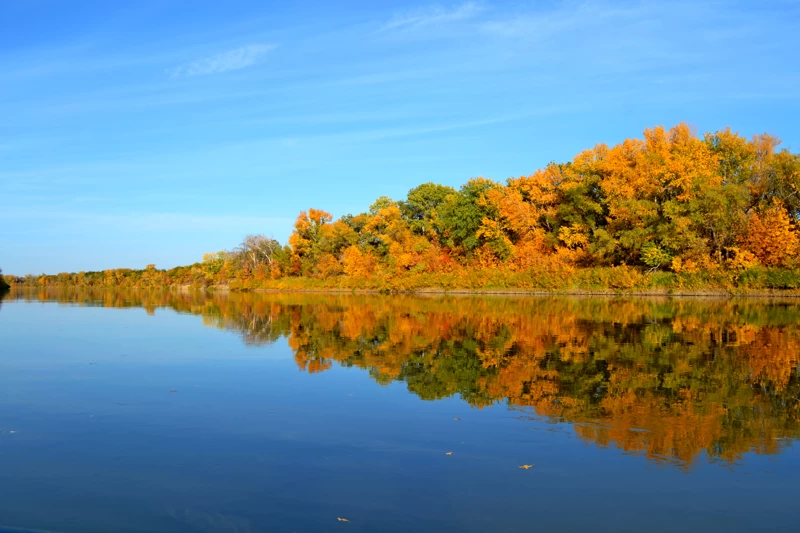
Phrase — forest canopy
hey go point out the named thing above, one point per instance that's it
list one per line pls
(672, 209)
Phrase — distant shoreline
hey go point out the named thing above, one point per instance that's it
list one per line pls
(438, 291)
(521, 292)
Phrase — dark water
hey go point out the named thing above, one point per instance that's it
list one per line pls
(290, 411)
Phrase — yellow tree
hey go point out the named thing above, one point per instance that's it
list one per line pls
(312, 234)
(649, 186)
(772, 237)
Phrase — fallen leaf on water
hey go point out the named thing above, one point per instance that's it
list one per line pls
(448, 453)
(340, 519)
(525, 467)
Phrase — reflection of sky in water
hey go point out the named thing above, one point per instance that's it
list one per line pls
(250, 443)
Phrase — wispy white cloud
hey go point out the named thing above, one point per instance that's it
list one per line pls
(432, 15)
(235, 59)
(564, 18)
(360, 137)
(643, 36)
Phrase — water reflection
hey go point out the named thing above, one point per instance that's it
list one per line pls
(668, 379)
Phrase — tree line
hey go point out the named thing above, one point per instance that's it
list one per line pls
(670, 209)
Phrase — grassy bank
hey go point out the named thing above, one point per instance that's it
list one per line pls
(611, 280)
(552, 278)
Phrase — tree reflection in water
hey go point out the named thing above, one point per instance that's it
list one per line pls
(669, 379)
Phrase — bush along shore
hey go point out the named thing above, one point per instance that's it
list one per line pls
(672, 212)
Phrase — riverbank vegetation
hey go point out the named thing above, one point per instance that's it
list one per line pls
(671, 211)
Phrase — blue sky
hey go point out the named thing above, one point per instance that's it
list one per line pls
(152, 132)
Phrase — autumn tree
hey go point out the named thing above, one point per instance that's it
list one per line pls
(772, 237)
(383, 202)
(649, 185)
(258, 249)
(311, 239)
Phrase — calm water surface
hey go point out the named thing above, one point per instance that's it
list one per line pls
(158, 412)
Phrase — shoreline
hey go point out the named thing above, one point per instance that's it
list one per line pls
(439, 291)
(536, 292)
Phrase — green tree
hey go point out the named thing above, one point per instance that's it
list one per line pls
(381, 203)
(462, 214)
(420, 208)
